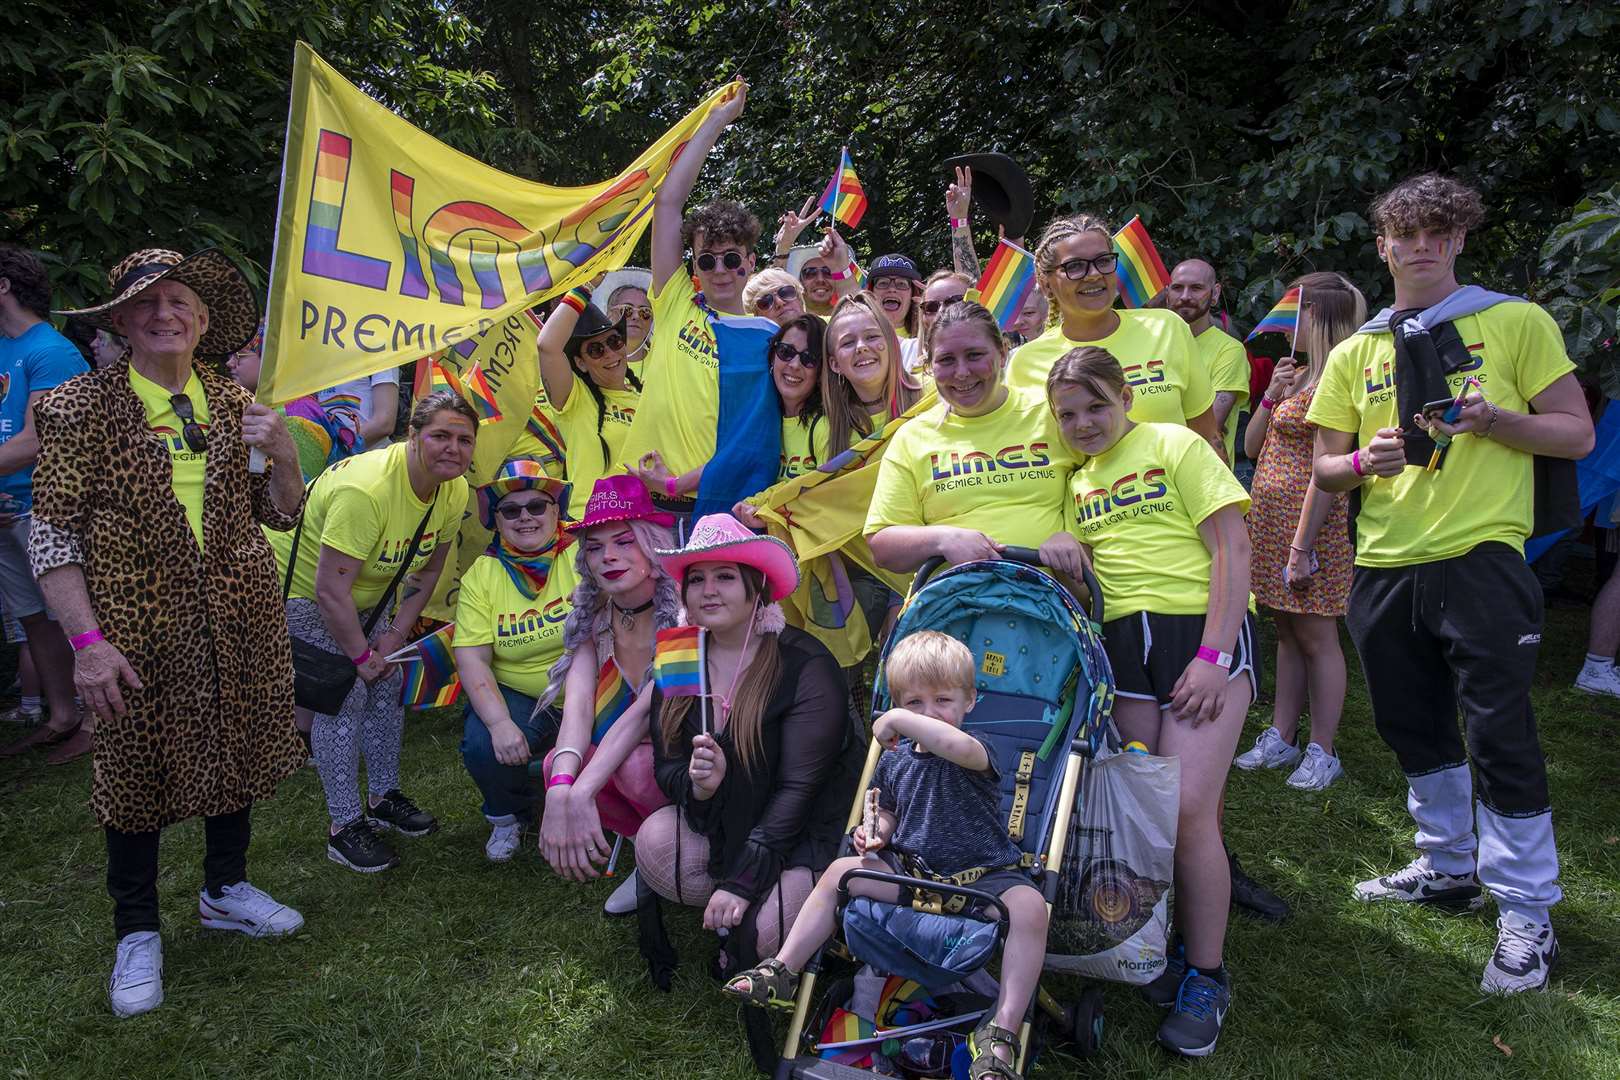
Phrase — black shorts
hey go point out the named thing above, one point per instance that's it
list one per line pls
(1149, 652)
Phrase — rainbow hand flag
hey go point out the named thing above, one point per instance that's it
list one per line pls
(475, 388)
(678, 667)
(844, 198)
(1282, 319)
(541, 427)
(431, 377)
(1006, 282)
(1141, 272)
(430, 676)
(613, 696)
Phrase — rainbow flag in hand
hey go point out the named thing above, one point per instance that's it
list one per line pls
(1141, 272)
(430, 676)
(678, 667)
(475, 388)
(1282, 319)
(844, 198)
(1006, 282)
(431, 377)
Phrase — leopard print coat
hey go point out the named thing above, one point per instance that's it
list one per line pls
(212, 729)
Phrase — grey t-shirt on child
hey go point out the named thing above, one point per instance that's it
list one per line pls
(948, 816)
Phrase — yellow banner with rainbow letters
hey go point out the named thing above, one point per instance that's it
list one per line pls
(391, 245)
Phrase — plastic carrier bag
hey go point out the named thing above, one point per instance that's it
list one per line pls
(1112, 911)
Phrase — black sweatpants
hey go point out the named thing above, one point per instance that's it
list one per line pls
(132, 867)
(1463, 634)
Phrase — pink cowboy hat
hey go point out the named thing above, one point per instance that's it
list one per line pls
(722, 538)
(620, 498)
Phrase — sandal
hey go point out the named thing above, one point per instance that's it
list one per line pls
(770, 985)
(985, 1065)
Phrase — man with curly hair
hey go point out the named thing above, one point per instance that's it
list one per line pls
(1434, 411)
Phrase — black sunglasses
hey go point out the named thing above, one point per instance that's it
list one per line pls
(815, 272)
(781, 296)
(731, 260)
(190, 430)
(1075, 269)
(787, 353)
(595, 350)
(934, 307)
(534, 508)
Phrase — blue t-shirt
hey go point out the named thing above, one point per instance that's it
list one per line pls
(31, 363)
(945, 815)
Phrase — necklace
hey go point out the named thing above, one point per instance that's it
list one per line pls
(627, 616)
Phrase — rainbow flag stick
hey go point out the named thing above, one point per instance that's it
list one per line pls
(1282, 319)
(844, 198)
(1006, 282)
(1140, 272)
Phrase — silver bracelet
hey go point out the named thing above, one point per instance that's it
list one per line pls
(1490, 425)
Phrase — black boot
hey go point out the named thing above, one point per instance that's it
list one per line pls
(651, 936)
(1253, 898)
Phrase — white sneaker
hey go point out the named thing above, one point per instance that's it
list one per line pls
(623, 899)
(1417, 883)
(1317, 771)
(136, 985)
(247, 910)
(1270, 752)
(503, 842)
(1525, 954)
(1599, 680)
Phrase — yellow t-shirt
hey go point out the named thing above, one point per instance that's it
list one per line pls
(1227, 363)
(188, 466)
(1485, 490)
(680, 404)
(1157, 352)
(364, 507)
(576, 423)
(1005, 473)
(1138, 507)
(803, 448)
(526, 636)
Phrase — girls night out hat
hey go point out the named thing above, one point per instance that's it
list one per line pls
(621, 498)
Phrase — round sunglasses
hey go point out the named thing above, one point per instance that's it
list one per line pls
(768, 301)
(624, 311)
(535, 508)
(730, 260)
(595, 350)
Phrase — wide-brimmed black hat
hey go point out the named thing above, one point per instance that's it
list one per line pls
(592, 321)
(1001, 189)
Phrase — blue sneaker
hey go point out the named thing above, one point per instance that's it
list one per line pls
(1194, 1024)
(1163, 990)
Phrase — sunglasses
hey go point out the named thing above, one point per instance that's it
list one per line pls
(730, 260)
(815, 272)
(190, 430)
(781, 296)
(1075, 269)
(934, 307)
(787, 354)
(595, 350)
(535, 508)
(624, 311)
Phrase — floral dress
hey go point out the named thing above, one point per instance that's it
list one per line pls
(1281, 478)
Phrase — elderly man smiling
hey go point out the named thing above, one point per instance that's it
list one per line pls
(147, 544)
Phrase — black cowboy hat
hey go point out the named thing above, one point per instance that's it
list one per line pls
(591, 322)
(1001, 189)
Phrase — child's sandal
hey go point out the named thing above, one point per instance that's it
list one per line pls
(985, 1065)
(770, 985)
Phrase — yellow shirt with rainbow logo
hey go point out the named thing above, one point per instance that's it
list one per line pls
(189, 466)
(803, 448)
(525, 636)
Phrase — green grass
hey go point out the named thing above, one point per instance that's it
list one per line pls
(450, 967)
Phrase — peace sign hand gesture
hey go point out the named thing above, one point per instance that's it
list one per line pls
(959, 196)
(791, 225)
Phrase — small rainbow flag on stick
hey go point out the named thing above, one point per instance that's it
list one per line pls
(678, 666)
(475, 388)
(1282, 319)
(1006, 282)
(1141, 272)
(844, 198)
(541, 427)
(431, 376)
(430, 676)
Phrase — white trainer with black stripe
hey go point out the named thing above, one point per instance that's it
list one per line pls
(247, 910)
(1418, 883)
(1525, 954)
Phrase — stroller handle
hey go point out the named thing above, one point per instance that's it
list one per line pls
(933, 886)
(1029, 557)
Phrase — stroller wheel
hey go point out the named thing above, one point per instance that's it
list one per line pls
(1086, 1022)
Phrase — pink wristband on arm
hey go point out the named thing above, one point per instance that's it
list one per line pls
(560, 780)
(86, 639)
(362, 658)
(1211, 656)
(1355, 462)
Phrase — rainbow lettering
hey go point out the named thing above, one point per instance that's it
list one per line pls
(1128, 490)
(1017, 456)
(322, 256)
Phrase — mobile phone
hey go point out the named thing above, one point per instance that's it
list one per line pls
(1442, 406)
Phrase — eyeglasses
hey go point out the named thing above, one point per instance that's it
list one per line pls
(787, 354)
(891, 284)
(595, 350)
(190, 430)
(731, 260)
(934, 307)
(624, 311)
(815, 272)
(781, 296)
(1075, 269)
(535, 508)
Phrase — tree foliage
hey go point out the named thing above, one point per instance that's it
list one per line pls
(1252, 133)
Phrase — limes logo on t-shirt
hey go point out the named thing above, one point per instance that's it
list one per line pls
(1147, 377)
(1379, 379)
(511, 624)
(797, 465)
(957, 469)
(393, 551)
(175, 442)
(696, 340)
(1129, 496)
(618, 414)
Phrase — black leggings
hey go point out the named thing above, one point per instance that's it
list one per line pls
(132, 867)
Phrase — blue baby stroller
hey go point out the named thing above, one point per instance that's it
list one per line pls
(1045, 697)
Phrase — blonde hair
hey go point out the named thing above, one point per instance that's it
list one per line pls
(768, 280)
(1090, 367)
(845, 413)
(1334, 308)
(928, 660)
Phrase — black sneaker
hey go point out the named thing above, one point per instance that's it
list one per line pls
(1194, 1024)
(397, 812)
(1253, 898)
(1162, 991)
(358, 847)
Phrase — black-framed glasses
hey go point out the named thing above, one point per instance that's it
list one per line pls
(1075, 269)
(934, 307)
(814, 272)
(891, 283)
(730, 260)
(769, 300)
(535, 508)
(595, 350)
(786, 353)
(190, 430)
(624, 311)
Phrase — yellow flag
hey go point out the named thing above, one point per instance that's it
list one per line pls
(391, 245)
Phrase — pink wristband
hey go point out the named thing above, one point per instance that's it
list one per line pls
(1210, 656)
(669, 487)
(362, 658)
(958, 223)
(1355, 462)
(1267, 403)
(560, 780)
(86, 639)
